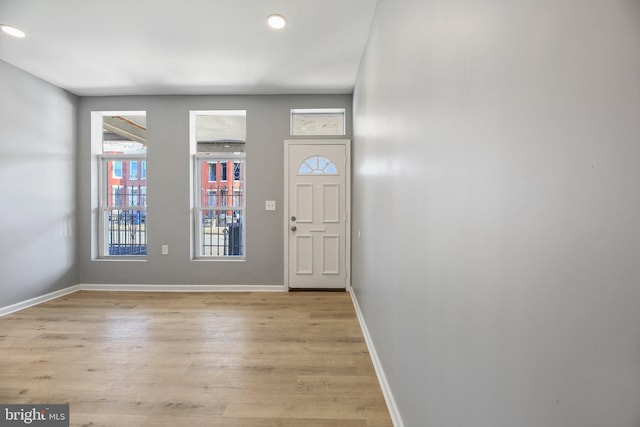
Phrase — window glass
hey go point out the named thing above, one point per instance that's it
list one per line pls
(317, 165)
(124, 134)
(213, 167)
(223, 171)
(237, 171)
(116, 167)
(220, 131)
(319, 121)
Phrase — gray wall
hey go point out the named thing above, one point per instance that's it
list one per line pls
(168, 176)
(496, 173)
(37, 194)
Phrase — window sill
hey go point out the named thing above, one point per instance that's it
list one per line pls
(121, 259)
(219, 259)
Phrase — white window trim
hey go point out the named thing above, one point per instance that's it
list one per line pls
(97, 126)
(196, 177)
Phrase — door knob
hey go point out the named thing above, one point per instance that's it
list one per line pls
(293, 218)
(294, 228)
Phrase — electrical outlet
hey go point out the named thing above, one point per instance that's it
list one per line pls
(270, 205)
(165, 249)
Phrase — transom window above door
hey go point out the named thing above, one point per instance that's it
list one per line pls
(318, 121)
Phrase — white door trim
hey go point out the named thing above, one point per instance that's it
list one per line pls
(347, 144)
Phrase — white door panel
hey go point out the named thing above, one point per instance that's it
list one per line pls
(331, 203)
(304, 254)
(304, 202)
(331, 254)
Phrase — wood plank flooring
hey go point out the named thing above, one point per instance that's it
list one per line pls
(194, 359)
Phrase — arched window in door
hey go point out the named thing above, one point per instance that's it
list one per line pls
(317, 165)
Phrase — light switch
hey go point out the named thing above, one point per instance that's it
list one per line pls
(270, 205)
(165, 249)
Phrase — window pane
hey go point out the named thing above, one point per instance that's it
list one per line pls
(212, 198)
(317, 165)
(117, 169)
(319, 121)
(236, 199)
(223, 197)
(212, 171)
(123, 186)
(221, 232)
(221, 131)
(124, 134)
(116, 198)
(126, 232)
(222, 214)
(125, 210)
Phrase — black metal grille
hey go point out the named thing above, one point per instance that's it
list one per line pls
(222, 233)
(127, 232)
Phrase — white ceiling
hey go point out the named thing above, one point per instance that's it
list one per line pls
(136, 47)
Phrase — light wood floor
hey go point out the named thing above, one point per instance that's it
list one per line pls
(194, 359)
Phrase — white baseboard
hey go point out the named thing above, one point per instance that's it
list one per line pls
(183, 288)
(382, 378)
(37, 300)
(138, 288)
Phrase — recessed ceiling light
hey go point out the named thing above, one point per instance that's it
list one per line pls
(277, 22)
(13, 31)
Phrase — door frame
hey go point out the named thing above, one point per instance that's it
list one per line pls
(347, 255)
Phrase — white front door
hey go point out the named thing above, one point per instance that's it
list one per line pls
(316, 208)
